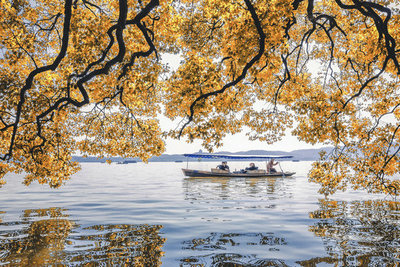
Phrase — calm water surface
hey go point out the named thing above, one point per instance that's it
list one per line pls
(150, 215)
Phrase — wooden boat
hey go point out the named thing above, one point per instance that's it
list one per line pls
(244, 173)
(221, 173)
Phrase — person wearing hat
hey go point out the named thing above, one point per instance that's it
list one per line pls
(224, 166)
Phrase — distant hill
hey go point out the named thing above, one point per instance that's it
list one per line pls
(301, 154)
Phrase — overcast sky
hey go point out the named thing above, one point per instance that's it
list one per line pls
(236, 143)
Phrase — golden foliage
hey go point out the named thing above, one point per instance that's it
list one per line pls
(88, 77)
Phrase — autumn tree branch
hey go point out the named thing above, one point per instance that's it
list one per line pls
(242, 76)
(34, 73)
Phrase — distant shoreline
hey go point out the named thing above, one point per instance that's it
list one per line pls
(298, 155)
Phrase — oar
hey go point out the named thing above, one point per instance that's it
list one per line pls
(283, 174)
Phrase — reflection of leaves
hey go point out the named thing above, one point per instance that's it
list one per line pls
(360, 232)
(138, 245)
(314, 261)
(38, 241)
(225, 241)
(47, 237)
(1, 212)
(50, 212)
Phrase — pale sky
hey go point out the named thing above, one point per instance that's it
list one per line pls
(237, 143)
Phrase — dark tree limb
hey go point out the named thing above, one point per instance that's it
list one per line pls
(34, 73)
(87, 75)
(261, 50)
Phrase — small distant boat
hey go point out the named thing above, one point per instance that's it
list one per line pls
(295, 160)
(177, 161)
(126, 161)
(222, 173)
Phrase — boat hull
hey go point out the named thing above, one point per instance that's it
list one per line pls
(198, 173)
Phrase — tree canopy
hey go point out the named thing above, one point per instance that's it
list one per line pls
(88, 76)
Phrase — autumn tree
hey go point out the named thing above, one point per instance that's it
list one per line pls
(87, 76)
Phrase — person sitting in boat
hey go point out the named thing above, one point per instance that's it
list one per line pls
(252, 167)
(270, 166)
(224, 166)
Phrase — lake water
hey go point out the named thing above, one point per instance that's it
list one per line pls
(151, 215)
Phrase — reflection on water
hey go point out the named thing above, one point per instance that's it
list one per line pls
(358, 233)
(228, 188)
(132, 215)
(230, 248)
(35, 242)
(223, 241)
(232, 260)
(47, 237)
(228, 242)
